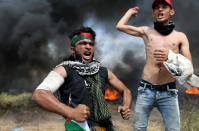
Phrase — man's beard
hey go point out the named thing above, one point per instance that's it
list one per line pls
(77, 56)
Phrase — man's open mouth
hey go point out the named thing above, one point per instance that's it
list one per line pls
(87, 53)
(160, 15)
(87, 56)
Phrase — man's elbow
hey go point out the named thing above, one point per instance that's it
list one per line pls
(37, 95)
(119, 27)
(128, 92)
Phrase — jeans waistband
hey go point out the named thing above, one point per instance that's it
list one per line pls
(163, 87)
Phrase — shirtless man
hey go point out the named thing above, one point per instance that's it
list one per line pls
(157, 87)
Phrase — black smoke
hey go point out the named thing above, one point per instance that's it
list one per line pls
(132, 74)
(187, 20)
(33, 35)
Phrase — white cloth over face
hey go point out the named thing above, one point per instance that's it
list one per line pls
(182, 70)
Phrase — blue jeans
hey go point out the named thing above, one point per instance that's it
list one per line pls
(165, 101)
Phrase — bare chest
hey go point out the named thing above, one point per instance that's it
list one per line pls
(157, 41)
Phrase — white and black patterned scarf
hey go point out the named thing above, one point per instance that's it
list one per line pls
(82, 68)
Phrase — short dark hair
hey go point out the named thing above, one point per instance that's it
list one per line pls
(82, 29)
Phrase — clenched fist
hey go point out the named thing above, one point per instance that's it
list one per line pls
(80, 113)
(134, 11)
(125, 112)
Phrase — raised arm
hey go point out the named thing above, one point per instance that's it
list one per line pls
(123, 26)
(124, 91)
(43, 95)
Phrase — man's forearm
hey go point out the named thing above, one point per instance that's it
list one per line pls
(48, 101)
(124, 20)
(127, 98)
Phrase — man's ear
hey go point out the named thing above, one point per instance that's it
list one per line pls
(72, 49)
(153, 14)
(172, 12)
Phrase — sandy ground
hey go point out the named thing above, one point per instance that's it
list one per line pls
(155, 120)
(40, 120)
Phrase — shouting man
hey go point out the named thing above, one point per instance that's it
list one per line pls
(80, 81)
(158, 86)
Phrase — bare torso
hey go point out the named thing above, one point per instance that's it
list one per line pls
(156, 45)
(154, 71)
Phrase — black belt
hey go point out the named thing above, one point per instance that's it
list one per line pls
(164, 87)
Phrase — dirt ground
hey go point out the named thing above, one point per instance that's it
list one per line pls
(40, 120)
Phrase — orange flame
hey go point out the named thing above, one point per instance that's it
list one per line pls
(111, 94)
(193, 91)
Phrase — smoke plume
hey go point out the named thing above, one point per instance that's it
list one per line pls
(33, 37)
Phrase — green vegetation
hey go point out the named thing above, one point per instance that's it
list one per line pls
(190, 113)
(14, 102)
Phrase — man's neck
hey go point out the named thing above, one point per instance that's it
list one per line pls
(164, 29)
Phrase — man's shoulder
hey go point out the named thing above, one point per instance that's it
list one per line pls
(103, 68)
(146, 27)
(61, 71)
(179, 33)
